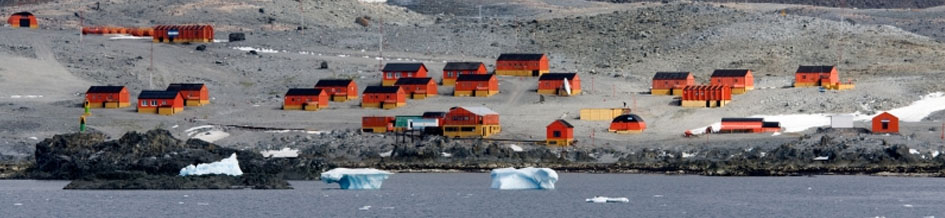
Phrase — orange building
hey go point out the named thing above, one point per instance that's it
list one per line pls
(452, 70)
(108, 97)
(559, 132)
(748, 125)
(462, 122)
(740, 81)
(305, 99)
(195, 94)
(417, 88)
(477, 85)
(377, 124)
(807, 76)
(554, 84)
(671, 83)
(160, 102)
(627, 123)
(387, 97)
(706, 96)
(23, 19)
(394, 71)
(182, 33)
(339, 90)
(886, 123)
(521, 65)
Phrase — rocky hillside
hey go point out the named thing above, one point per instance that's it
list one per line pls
(828, 3)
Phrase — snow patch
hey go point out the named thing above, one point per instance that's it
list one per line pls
(387, 154)
(525, 178)
(913, 151)
(822, 158)
(26, 96)
(207, 133)
(373, 1)
(122, 36)
(444, 154)
(516, 148)
(922, 108)
(284, 152)
(362, 178)
(701, 130)
(258, 50)
(688, 155)
(228, 166)
(935, 154)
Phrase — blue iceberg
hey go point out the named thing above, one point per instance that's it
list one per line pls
(525, 178)
(228, 166)
(364, 178)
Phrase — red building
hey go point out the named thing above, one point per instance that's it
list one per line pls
(521, 65)
(417, 88)
(739, 80)
(671, 83)
(886, 123)
(478, 85)
(195, 94)
(452, 70)
(23, 19)
(182, 33)
(377, 124)
(627, 123)
(706, 96)
(160, 102)
(559, 132)
(387, 97)
(108, 97)
(554, 84)
(807, 76)
(394, 71)
(471, 122)
(339, 90)
(748, 125)
(305, 99)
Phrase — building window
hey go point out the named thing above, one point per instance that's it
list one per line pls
(803, 76)
(409, 74)
(144, 103)
(163, 102)
(556, 134)
(468, 129)
(154, 103)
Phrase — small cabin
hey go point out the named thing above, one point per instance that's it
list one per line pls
(394, 71)
(23, 19)
(452, 70)
(560, 133)
(807, 76)
(339, 90)
(671, 83)
(377, 124)
(740, 80)
(465, 122)
(476, 85)
(564, 84)
(533, 65)
(108, 97)
(182, 33)
(386, 97)
(886, 123)
(706, 96)
(305, 99)
(195, 94)
(627, 123)
(417, 88)
(160, 102)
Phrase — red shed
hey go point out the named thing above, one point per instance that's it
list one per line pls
(452, 70)
(521, 64)
(471, 122)
(377, 124)
(559, 132)
(339, 90)
(417, 88)
(627, 123)
(886, 123)
(671, 83)
(478, 85)
(706, 96)
(195, 94)
(554, 83)
(183, 33)
(807, 76)
(394, 71)
(23, 19)
(739, 80)
(160, 102)
(108, 97)
(387, 97)
(305, 99)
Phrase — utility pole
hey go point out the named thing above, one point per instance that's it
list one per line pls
(943, 131)
(302, 17)
(480, 13)
(380, 46)
(151, 68)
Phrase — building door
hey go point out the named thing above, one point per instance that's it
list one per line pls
(24, 21)
(535, 73)
(708, 103)
(885, 124)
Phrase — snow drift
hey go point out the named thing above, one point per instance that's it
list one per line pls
(525, 178)
(362, 178)
(228, 166)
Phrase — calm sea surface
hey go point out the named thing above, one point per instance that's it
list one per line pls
(468, 195)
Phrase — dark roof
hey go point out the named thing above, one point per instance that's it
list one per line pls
(158, 94)
(185, 86)
(671, 75)
(520, 57)
(297, 92)
(628, 118)
(474, 77)
(381, 89)
(413, 81)
(402, 67)
(730, 73)
(770, 124)
(462, 66)
(24, 13)
(814, 69)
(557, 76)
(105, 89)
(566, 124)
(333, 82)
(434, 114)
(743, 119)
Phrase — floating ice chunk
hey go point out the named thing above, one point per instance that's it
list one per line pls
(602, 199)
(363, 178)
(525, 178)
(368, 207)
(228, 166)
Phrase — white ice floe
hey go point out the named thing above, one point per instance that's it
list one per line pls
(284, 152)
(258, 50)
(228, 166)
(516, 148)
(368, 207)
(524, 178)
(362, 178)
(602, 199)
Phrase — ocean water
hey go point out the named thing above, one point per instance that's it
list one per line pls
(468, 195)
